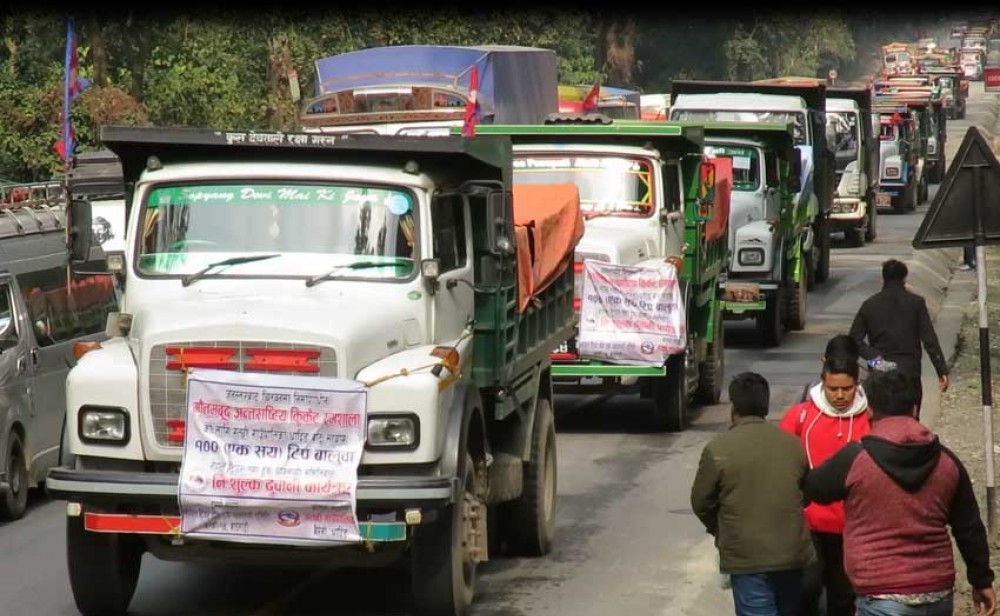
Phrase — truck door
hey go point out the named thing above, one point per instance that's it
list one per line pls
(451, 243)
(673, 200)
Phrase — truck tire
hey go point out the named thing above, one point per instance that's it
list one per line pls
(823, 243)
(103, 568)
(670, 398)
(798, 305)
(531, 519)
(442, 570)
(771, 321)
(14, 500)
(871, 229)
(922, 190)
(712, 371)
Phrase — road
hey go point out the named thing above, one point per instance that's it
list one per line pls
(627, 541)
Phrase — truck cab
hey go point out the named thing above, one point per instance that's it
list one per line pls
(901, 150)
(766, 277)
(856, 153)
(793, 102)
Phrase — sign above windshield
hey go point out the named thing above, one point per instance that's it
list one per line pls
(272, 194)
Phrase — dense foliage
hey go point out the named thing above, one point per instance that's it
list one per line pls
(231, 69)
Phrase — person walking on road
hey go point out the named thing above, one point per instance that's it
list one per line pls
(841, 344)
(902, 491)
(835, 414)
(747, 492)
(892, 324)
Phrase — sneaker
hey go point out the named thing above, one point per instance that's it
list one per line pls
(965, 267)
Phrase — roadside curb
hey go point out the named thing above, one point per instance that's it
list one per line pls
(948, 293)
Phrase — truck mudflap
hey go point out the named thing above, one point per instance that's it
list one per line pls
(102, 490)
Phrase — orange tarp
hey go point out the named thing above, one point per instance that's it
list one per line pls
(548, 224)
(723, 189)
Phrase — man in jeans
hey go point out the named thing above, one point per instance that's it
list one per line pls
(748, 494)
(902, 491)
(893, 324)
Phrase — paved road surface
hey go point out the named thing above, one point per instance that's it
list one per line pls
(627, 541)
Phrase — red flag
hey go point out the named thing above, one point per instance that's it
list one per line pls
(472, 111)
(590, 103)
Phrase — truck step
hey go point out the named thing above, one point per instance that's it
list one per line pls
(506, 479)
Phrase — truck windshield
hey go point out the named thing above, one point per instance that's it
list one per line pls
(308, 228)
(609, 185)
(746, 165)
(745, 115)
(845, 132)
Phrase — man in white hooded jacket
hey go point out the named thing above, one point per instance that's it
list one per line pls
(834, 414)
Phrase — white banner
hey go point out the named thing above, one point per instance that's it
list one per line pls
(630, 314)
(272, 458)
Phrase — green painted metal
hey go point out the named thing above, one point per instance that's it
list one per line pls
(599, 369)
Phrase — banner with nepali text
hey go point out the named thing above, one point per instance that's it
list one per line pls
(272, 458)
(632, 315)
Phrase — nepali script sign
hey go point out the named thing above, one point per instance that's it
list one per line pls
(631, 315)
(272, 458)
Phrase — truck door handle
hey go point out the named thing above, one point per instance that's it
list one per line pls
(34, 357)
(22, 366)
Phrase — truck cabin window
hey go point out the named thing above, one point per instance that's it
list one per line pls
(797, 119)
(844, 129)
(620, 186)
(297, 230)
(746, 165)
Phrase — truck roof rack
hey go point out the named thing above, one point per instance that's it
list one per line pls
(135, 145)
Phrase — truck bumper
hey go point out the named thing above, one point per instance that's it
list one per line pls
(847, 214)
(151, 500)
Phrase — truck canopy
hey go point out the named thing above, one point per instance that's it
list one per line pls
(488, 158)
(548, 224)
(516, 84)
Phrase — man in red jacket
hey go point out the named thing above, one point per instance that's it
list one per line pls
(834, 414)
(902, 490)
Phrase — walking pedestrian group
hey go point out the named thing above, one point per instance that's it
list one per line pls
(848, 493)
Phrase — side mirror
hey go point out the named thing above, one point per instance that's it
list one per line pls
(706, 192)
(500, 227)
(81, 233)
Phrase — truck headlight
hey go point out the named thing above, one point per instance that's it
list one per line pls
(393, 431)
(751, 256)
(105, 425)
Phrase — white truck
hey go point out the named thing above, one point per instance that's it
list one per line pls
(401, 265)
(765, 279)
(804, 106)
(857, 157)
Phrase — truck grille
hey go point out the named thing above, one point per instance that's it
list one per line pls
(168, 390)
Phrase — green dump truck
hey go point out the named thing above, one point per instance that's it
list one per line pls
(405, 293)
(766, 275)
(651, 202)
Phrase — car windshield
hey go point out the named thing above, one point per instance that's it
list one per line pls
(727, 115)
(746, 164)
(309, 228)
(608, 185)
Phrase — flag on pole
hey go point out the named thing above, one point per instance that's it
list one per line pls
(72, 87)
(472, 110)
(590, 103)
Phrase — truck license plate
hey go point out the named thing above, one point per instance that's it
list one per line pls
(883, 199)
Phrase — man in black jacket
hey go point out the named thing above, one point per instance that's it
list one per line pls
(892, 325)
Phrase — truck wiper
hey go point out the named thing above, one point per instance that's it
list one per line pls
(355, 266)
(224, 263)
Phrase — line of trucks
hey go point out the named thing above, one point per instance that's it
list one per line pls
(456, 278)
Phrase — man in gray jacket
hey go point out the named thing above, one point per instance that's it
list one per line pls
(748, 494)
